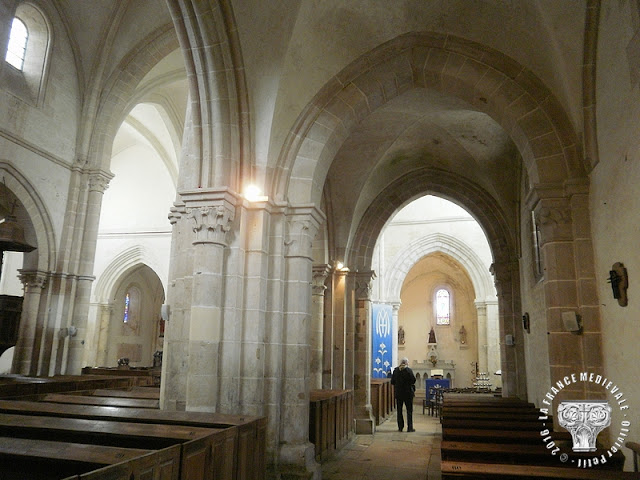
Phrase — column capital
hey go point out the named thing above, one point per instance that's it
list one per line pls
(363, 284)
(319, 276)
(176, 212)
(395, 306)
(212, 211)
(303, 222)
(33, 278)
(99, 180)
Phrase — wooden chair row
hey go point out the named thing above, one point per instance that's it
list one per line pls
(488, 437)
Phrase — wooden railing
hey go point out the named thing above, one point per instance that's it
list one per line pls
(331, 423)
(382, 399)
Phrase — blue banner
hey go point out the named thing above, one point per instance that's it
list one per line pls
(382, 346)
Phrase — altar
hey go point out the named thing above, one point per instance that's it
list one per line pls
(425, 369)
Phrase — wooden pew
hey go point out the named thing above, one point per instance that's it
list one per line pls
(507, 453)
(500, 438)
(453, 469)
(101, 401)
(28, 458)
(246, 441)
(136, 392)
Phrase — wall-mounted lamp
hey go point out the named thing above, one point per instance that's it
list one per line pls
(339, 266)
(526, 322)
(619, 282)
(253, 194)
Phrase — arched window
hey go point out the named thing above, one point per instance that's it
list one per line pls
(127, 305)
(443, 307)
(17, 47)
(27, 52)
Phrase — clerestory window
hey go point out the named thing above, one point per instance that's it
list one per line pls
(17, 48)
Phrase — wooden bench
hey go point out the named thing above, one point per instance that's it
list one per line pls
(453, 469)
(101, 401)
(495, 424)
(246, 440)
(482, 452)
(136, 392)
(500, 436)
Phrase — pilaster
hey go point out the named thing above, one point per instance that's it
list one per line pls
(25, 357)
(320, 273)
(365, 423)
(296, 453)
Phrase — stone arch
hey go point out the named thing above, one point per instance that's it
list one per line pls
(438, 242)
(124, 262)
(487, 79)
(42, 259)
(219, 123)
(120, 88)
(438, 182)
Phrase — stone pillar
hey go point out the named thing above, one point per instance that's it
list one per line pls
(507, 281)
(296, 457)
(25, 357)
(395, 307)
(483, 345)
(320, 273)
(365, 423)
(74, 346)
(349, 330)
(569, 285)
(105, 312)
(211, 214)
(338, 289)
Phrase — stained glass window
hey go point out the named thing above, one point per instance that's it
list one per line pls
(17, 44)
(443, 307)
(127, 301)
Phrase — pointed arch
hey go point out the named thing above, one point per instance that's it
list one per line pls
(487, 79)
(438, 242)
(107, 280)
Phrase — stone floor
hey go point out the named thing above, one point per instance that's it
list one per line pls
(390, 454)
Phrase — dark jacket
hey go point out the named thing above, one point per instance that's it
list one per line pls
(404, 380)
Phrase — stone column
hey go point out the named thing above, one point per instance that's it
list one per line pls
(395, 307)
(569, 284)
(25, 356)
(349, 330)
(365, 423)
(105, 312)
(74, 346)
(296, 453)
(320, 273)
(483, 345)
(507, 282)
(211, 214)
(337, 314)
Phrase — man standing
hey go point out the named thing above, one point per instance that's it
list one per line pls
(404, 382)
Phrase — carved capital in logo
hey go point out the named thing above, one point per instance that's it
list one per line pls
(584, 420)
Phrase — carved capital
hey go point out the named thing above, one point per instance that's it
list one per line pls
(302, 225)
(32, 280)
(320, 273)
(99, 181)
(363, 284)
(211, 223)
(554, 220)
(176, 213)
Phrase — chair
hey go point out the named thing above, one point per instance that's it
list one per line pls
(429, 401)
